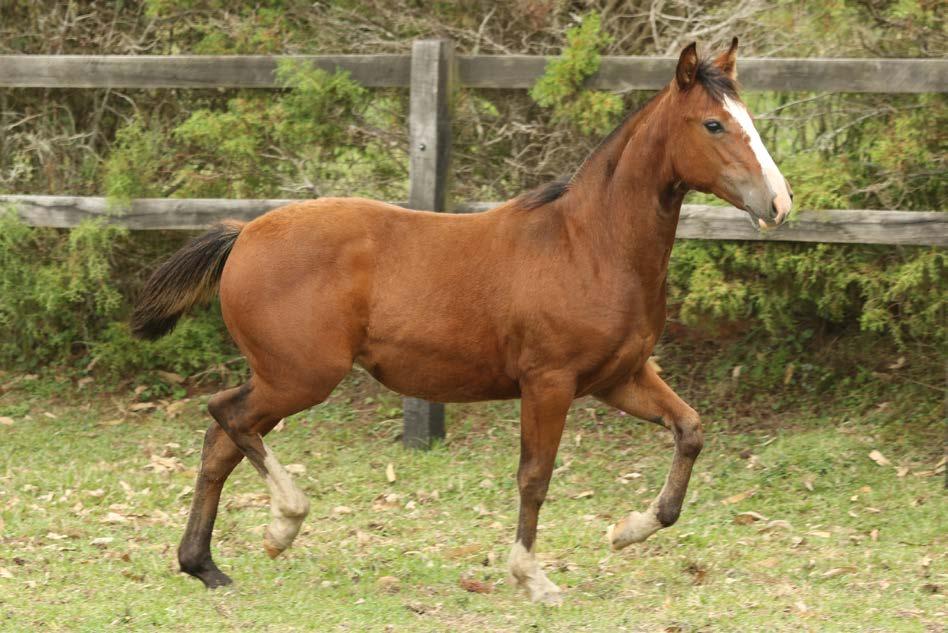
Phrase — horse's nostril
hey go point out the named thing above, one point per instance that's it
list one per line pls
(773, 208)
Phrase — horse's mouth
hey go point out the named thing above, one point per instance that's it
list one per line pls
(759, 223)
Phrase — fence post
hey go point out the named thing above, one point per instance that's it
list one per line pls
(432, 79)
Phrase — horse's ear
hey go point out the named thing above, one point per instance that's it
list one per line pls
(687, 66)
(727, 61)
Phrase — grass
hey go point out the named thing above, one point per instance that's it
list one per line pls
(93, 499)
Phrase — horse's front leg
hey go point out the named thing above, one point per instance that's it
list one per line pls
(545, 403)
(648, 397)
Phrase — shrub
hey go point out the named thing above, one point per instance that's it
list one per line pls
(61, 302)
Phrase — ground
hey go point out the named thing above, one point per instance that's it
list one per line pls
(802, 522)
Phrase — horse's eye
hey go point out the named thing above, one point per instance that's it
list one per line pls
(714, 127)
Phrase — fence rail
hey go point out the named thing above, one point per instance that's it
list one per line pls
(919, 228)
(474, 71)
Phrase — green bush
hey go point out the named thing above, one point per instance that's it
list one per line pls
(61, 303)
(560, 87)
(55, 289)
(309, 139)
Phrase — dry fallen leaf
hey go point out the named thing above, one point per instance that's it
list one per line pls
(388, 584)
(879, 458)
(6, 421)
(777, 524)
(390, 473)
(295, 469)
(746, 518)
(741, 496)
(475, 586)
(585, 494)
(463, 551)
(142, 406)
(820, 533)
(175, 407)
(837, 571)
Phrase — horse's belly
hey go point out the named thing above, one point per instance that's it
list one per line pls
(437, 374)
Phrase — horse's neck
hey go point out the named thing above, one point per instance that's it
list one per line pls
(628, 192)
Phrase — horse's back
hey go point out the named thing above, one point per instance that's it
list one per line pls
(356, 279)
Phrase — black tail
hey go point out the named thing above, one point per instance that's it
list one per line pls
(190, 277)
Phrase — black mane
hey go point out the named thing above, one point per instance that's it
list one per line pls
(545, 194)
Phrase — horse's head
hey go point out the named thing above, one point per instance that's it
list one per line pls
(716, 147)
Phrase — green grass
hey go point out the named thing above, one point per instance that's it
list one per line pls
(864, 550)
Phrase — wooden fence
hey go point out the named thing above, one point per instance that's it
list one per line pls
(432, 72)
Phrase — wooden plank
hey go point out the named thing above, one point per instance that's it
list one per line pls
(429, 146)
(141, 214)
(187, 71)
(652, 73)
(475, 71)
(918, 228)
(911, 228)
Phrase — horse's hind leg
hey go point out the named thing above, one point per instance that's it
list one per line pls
(243, 413)
(218, 458)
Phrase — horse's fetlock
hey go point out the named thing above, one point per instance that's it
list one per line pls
(667, 514)
(690, 436)
(294, 507)
(192, 561)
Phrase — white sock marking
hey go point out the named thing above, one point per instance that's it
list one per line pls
(288, 505)
(526, 572)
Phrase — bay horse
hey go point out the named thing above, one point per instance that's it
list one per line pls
(553, 295)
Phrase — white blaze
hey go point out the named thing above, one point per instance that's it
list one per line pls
(772, 175)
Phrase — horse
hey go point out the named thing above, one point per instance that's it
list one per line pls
(556, 294)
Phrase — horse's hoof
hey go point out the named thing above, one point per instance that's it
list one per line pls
(539, 588)
(216, 579)
(270, 548)
(206, 571)
(634, 528)
(549, 596)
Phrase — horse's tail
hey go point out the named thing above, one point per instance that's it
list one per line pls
(189, 277)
